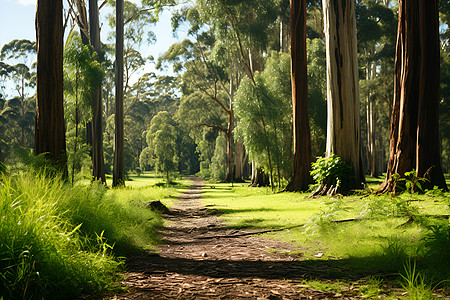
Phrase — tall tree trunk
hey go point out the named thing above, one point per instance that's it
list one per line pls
(301, 178)
(268, 151)
(77, 121)
(49, 130)
(118, 173)
(239, 156)
(374, 171)
(372, 130)
(259, 177)
(343, 127)
(82, 21)
(228, 133)
(98, 163)
(414, 137)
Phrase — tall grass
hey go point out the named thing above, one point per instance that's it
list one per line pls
(58, 241)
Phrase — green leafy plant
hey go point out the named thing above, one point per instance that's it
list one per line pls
(331, 170)
(410, 182)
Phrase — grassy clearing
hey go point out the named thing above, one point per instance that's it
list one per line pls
(59, 241)
(384, 236)
(248, 207)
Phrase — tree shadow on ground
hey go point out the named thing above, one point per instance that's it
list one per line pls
(311, 270)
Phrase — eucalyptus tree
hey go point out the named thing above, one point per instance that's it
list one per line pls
(49, 129)
(343, 127)
(98, 161)
(242, 30)
(82, 73)
(21, 55)
(205, 120)
(118, 171)
(203, 73)
(24, 53)
(414, 138)
(162, 144)
(219, 159)
(264, 110)
(301, 178)
(137, 21)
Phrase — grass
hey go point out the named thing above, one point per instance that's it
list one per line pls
(250, 207)
(380, 240)
(59, 241)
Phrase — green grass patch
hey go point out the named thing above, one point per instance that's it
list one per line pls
(147, 179)
(243, 206)
(381, 235)
(59, 241)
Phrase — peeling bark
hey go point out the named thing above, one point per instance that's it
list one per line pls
(414, 136)
(343, 125)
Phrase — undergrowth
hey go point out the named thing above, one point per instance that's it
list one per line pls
(58, 241)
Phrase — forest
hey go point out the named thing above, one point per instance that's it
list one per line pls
(339, 110)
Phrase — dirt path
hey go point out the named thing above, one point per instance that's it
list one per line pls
(194, 264)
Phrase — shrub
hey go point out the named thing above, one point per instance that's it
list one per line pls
(331, 171)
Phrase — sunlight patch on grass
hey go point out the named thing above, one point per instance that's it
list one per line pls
(244, 207)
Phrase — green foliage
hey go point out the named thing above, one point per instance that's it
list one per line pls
(162, 143)
(264, 109)
(17, 71)
(82, 73)
(59, 241)
(82, 69)
(317, 94)
(219, 160)
(331, 169)
(409, 182)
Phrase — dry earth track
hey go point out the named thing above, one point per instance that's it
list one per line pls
(194, 264)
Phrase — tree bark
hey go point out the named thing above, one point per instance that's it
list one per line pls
(98, 163)
(230, 175)
(239, 156)
(301, 178)
(414, 136)
(49, 128)
(118, 173)
(259, 177)
(343, 125)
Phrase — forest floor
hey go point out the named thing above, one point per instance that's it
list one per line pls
(201, 258)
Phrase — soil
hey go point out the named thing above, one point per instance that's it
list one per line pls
(203, 259)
